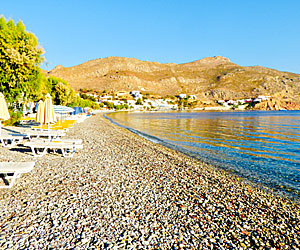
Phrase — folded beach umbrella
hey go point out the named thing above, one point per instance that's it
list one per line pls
(4, 114)
(40, 113)
(49, 115)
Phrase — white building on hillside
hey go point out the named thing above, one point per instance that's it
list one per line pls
(135, 93)
(264, 98)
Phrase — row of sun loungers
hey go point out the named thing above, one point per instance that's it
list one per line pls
(11, 139)
(62, 125)
(40, 141)
(66, 147)
(51, 134)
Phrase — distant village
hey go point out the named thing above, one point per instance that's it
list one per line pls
(242, 103)
(135, 100)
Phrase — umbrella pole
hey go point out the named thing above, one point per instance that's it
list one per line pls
(49, 131)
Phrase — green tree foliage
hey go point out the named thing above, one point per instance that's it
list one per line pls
(61, 92)
(64, 95)
(192, 105)
(109, 105)
(85, 96)
(169, 97)
(20, 58)
(79, 102)
(120, 106)
(21, 78)
(180, 102)
(15, 116)
(85, 90)
(139, 102)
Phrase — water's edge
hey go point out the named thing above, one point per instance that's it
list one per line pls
(275, 191)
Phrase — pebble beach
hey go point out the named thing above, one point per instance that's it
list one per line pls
(123, 192)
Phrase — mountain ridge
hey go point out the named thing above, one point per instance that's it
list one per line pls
(209, 78)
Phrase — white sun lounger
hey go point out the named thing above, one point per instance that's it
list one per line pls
(16, 169)
(9, 140)
(50, 134)
(76, 141)
(40, 148)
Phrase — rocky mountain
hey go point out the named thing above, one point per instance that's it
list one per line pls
(210, 78)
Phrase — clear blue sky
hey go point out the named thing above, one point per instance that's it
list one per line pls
(256, 32)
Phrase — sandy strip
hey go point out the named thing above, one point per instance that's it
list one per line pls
(123, 192)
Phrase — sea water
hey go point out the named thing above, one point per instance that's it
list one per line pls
(262, 146)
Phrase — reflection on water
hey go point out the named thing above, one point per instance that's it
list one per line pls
(262, 146)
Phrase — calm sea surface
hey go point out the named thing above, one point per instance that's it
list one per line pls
(263, 146)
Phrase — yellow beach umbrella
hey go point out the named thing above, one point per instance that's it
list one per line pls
(4, 114)
(40, 113)
(49, 115)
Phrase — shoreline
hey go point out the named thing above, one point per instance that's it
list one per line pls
(279, 190)
(123, 190)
